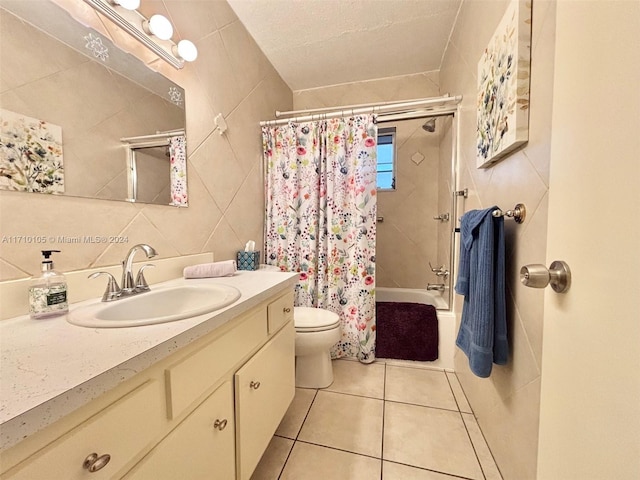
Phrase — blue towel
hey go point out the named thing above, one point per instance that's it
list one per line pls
(481, 279)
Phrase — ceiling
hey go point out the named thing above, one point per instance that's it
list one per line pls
(315, 43)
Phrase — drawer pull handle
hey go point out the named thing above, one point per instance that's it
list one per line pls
(254, 385)
(220, 424)
(286, 310)
(93, 462)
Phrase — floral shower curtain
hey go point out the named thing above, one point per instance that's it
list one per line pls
(320, 220)
(178, 161)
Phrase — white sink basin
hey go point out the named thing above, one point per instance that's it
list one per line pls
(156, 306)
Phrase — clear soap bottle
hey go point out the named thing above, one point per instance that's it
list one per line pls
(48, 292)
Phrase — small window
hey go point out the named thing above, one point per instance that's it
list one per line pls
(386, 167)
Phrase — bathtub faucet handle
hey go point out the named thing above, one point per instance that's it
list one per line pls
(440, 271)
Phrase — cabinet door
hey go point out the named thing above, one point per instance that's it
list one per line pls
(201, 447)
(265, 387)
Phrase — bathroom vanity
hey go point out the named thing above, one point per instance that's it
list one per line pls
(195, 398)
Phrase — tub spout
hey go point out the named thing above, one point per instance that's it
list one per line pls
(436, 286)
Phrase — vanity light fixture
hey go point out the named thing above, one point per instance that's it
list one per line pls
(159, 26)
(154, 32)
(185, 50)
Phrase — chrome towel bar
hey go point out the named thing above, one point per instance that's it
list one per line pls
(518, 213)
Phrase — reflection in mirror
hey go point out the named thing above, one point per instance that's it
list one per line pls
(151, 161)
(68, 96)
(150, 179)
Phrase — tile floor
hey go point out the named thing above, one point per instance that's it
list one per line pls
(384, 421)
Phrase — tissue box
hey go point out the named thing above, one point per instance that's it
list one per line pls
(248, 260)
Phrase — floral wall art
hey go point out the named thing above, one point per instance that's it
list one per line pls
(503, 87)
(30, 154)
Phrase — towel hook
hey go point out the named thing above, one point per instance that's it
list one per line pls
(518, 213)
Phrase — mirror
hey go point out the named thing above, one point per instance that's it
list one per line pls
(70, 104)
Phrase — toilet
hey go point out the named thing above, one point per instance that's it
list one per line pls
(317, 330)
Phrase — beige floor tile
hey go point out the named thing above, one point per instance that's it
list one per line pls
(292, 422)
(487, 462)
(428, 388)
(429, 438)
(461, 398)
(395, 471)
(312, 462)
(273, 459)
(358, 378)
(346, 422)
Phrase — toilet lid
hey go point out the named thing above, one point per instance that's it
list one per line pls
(314, 319)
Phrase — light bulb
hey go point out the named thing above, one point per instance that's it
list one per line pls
(159, 26)
(128, 4)
(186, 50)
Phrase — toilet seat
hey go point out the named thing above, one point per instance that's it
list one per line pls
(309, 320)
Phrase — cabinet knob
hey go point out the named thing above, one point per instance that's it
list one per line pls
(254, 385)
(286, 310)
(220, 424)
(93, 462)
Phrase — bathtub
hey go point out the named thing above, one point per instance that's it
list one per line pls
(446, 320)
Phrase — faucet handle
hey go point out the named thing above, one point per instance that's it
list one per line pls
(438, 269)
(113, 290)
(141, 282)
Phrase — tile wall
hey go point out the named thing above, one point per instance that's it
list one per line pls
(231, 76)
(507, 404)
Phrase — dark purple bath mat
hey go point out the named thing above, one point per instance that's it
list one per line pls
(406, 331)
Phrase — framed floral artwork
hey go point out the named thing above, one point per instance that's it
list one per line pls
(503, 87)
(30, 154)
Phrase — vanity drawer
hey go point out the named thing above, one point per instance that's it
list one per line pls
(265, 387)
(121, 430)
(189, 378)
(280, 312)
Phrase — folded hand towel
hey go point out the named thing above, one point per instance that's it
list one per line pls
(216, 269)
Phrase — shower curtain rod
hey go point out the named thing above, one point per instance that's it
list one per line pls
(397, 107)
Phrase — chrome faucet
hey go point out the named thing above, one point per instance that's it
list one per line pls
(436, 286)
(129, 287)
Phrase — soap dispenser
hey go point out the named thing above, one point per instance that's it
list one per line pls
(48, 292)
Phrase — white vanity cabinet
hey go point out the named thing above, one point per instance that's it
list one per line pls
(207, 411)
